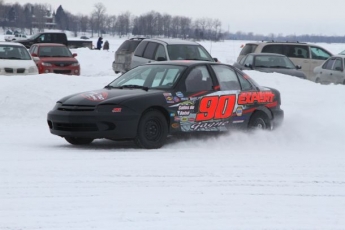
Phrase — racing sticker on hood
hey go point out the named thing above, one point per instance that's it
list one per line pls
(95, 96)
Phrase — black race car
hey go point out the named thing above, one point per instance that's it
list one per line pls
(150, 102)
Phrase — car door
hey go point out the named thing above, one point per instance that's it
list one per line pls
(324, 73)
(336, 72)
(147, 55)
(190, 109)
(232, 87)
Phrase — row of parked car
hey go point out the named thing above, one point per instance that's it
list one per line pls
(40, 58)
(303, 60)
(316, 63)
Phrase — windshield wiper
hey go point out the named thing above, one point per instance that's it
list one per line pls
(134, 87)
(280, 67)
(16, 58)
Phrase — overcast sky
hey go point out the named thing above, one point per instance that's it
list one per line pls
(261, 17)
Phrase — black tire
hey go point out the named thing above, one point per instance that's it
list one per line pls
(152, 130)
(317, 80)
(259, 120)
(78, 141)
(117, 72)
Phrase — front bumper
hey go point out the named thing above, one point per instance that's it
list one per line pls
(92, 124)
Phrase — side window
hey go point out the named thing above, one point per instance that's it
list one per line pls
(278, 49)
(31, 50)
(150, 50)
(337, 65)
(319, 53)
(140, 49)
(249, 60)
(248, 48)
(198, 79)
(329, 64)
(226, 77)
(245, 84)
(160, 53)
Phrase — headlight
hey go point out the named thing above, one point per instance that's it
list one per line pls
(75, 64)
(109, 108)
(46, 64)
(33, 69)
(57, 105)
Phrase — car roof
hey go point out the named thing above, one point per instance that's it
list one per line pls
(339, 55)
(170, 41)
(49, 44)
(12, 44)
(183, 62)
(266, 54)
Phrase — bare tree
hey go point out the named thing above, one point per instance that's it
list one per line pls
(39, 15)
(99, 16)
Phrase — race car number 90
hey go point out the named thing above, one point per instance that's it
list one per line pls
(215, 107)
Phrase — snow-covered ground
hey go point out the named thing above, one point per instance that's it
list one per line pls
(290, 178)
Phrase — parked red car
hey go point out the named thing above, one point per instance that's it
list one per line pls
(55, 58)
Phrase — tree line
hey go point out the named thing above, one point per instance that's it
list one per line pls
(30, 16)
(151, 24)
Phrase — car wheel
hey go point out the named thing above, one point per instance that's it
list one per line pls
(78, 141)
(117, 72)
(317, 80)
(259, 120)
(152, 130)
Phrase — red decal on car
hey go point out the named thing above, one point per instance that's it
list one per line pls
(215, 107)
(252, 97)
(95, 96)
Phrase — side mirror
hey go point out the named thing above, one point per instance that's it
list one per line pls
(216, 60)
(161, 59)
(249, 66)
(74, 55)
(34, 55)
(298, 67)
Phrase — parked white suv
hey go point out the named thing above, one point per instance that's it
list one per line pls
(155, 49)
(308, 56)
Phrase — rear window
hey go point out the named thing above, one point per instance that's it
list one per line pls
(129, 45)
(248, 48)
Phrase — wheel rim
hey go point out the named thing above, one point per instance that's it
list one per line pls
(153, 130)
(260, 123)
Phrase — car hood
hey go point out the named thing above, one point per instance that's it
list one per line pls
(108, 96)
(56, 59)
(10, 63)
(292, 72)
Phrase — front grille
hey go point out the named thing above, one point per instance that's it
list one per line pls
(8, 70)
(77, 108)
(62, 71)
(21, 70)
(61, 63)
(75, 127)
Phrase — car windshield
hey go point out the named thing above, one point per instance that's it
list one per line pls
(54, 51)
(188, 52)
(266, 61)
(149, 76)
(14, 52)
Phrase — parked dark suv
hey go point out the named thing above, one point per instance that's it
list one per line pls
(139, 51)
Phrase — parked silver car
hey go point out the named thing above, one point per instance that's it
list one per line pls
(135, 52)
(331, 71)
(270, 63)
(306, 55)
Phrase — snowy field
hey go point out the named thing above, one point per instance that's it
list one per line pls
(290, 178)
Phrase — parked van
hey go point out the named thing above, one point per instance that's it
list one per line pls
(306, 55)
